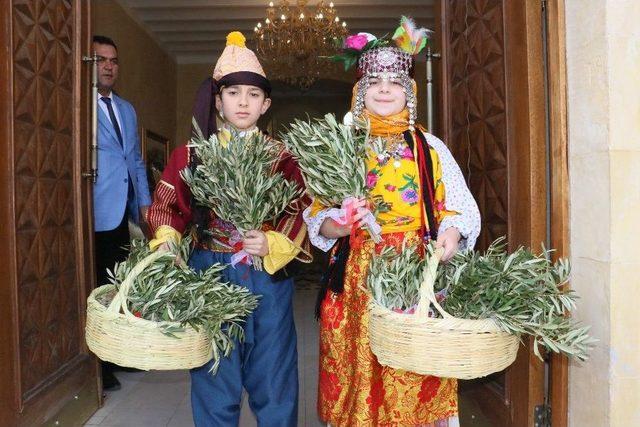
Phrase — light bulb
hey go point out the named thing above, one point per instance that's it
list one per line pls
(267, 21)
(331, 4)
(302, 16)
(270, 4)
(337, 19)
(259, 25)
(282, 17)
(344, 23)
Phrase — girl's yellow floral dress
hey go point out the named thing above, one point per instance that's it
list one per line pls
(354, 389)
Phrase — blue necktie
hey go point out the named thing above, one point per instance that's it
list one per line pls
(112, 116)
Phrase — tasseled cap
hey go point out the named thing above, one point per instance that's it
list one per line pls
(239, 65)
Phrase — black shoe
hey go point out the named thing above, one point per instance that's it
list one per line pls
(115, 368)
(109, 381)
(127, 369)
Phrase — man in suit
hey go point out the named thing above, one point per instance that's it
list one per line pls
(121, 191)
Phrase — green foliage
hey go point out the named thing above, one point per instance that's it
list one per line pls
(331, 156)
(522, 292)
(394, 278)
(175, 296)
(238, 182)
(349, 57)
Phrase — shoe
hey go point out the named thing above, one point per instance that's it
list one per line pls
(109, 381)
(115, 368)
(127, 369)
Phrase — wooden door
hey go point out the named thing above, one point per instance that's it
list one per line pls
(494, 120)
(46, 263)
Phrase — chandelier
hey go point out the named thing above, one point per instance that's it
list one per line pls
(292, 41)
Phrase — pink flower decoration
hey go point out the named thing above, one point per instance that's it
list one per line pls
(407, 153)
(372, 179)
(356, 42)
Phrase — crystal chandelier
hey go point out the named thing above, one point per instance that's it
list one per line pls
(292, 41)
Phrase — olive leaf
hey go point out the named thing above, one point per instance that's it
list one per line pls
(176, 296)
(238, 180)
(522, 292)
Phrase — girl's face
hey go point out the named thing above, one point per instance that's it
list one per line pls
(385, 97)
(242, 105)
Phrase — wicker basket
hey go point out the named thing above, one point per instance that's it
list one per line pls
(448, 347)
(114, 334)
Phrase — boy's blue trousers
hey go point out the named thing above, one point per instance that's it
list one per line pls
(266, 364)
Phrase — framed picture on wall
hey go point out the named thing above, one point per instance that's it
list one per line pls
(155, 152)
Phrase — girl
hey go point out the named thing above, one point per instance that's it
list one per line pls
(420, 193)
(265, 364)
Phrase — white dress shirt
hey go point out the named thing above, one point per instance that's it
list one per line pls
(105, 110)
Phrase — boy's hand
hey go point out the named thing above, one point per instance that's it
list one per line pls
(255, 243)
(450, 241)
(165, 247)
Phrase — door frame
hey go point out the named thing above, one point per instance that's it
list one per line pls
(527, 174)
(559, 176)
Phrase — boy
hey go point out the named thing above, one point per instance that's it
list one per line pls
(266, 363)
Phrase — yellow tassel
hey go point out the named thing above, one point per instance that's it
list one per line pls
(236, 38)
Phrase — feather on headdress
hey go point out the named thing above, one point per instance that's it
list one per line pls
(409, 38)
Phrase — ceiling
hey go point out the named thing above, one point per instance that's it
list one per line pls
(194, 31)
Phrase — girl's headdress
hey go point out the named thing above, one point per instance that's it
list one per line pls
(385, 58)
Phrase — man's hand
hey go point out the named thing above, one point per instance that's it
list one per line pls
(143, 213)
(144, 225)
(255, 243)
(450, 241)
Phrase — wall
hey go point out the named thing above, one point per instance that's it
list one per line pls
(189, 78)
(147, 76)
(603, 59)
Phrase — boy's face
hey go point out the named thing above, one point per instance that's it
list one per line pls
(242, 105)
(385, 97)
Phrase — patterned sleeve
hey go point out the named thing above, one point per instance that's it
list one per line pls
(291, 224)
(313, 228)
(172, 198)
(458, 197)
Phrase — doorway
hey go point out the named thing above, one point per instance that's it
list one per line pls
(494, 104)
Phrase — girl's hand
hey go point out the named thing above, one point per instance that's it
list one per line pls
(255, 243)
(450, 241)
(332, 230)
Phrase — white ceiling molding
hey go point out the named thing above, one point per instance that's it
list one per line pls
(194, 31)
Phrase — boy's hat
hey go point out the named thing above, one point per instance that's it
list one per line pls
(239, 65)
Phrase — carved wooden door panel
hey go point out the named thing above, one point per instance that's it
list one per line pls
(493, 119)
(45, 255)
